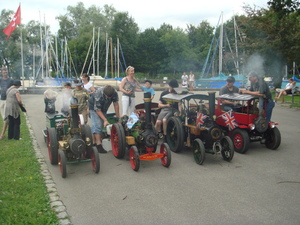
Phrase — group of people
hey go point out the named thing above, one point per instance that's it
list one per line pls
(10, 105)
(94, 103)
(188, 80)
(258, 87)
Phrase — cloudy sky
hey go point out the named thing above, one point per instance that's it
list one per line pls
(146, 14)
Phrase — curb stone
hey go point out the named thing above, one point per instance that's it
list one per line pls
(55, 203)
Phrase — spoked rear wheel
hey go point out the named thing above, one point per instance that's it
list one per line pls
(175, 134)
(134, 158)
(165, 150)
(227, 151)
(62, 162)
(198, 151)
(52, 145)
(95, 160)
(117, 138)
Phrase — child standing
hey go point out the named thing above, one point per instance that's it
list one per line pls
(147, 88)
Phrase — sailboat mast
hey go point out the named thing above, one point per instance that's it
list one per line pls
(42, 53)
(221, 46)
(118, 57)
(236, 47)
(93, 57)
(106, 56)
(46, 50)
(98, 51)
(111, 59)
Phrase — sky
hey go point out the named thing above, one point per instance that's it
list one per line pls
(147, 14)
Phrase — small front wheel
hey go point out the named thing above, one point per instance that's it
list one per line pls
(241, 140)
(198, 151)
(227, 151)
(62, 162)
(165, 150)
(95, 160)
(134, 158)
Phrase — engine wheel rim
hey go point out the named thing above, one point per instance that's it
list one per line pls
(238, 141)
(114, 141)
(172, 133)
(49, 146)
(93, 159)
(227, 153)
(198, 152)
(166, 159)
(134, 158)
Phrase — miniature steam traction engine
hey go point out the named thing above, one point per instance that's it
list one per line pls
(196, 127)
(136, 136)
(250, 123)
(69, 140)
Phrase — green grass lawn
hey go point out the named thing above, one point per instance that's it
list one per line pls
(23, 194)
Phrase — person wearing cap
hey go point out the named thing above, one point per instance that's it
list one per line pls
(229, 88)
(12, 110)
(166, 109)
(5, 83)
(128, 87)
(260, 88)
(82, 96)
(99, 103)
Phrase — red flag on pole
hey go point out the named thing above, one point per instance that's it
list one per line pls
(12, 25)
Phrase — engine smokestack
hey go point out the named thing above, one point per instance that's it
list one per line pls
(211, 99)
(147, 103)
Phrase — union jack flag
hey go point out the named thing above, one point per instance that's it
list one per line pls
(200, 119)
(229, 120)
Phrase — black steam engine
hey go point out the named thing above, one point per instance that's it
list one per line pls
(69, 140)
(137, 137)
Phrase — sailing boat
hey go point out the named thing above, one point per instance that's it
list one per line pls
(208, 68)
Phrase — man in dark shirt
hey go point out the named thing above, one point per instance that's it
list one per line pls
(99, 103)
(166, 109)
(5, 83)
(229, 88)
(260, 88)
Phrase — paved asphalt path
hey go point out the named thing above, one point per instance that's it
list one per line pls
(260, 187)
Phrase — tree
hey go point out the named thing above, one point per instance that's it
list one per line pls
(77, 27)
(179, 58)
(274, 33)
(78, 17)
(149, 52)
(125, 28)
(200, 38)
